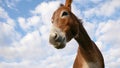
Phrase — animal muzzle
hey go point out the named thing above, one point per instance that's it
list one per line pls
(57, 38)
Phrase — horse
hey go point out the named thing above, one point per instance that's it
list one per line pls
(65, 26)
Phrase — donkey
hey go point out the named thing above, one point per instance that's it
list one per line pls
(67, 26)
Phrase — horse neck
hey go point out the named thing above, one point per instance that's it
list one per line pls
(86, 45)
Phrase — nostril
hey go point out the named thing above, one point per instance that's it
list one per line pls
(54, 35)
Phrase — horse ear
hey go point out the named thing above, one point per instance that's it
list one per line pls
(68, 3)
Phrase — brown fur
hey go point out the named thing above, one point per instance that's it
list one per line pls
(88, 54)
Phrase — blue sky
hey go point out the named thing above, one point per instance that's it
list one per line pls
(25, 26)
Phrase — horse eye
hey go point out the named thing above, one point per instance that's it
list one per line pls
(64, 13)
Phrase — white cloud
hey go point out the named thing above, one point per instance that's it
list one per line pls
(22, 23)
(105, 9)
(90, 27)
(56, 61)
(8, 34)
(31, 23)
(41, 16)
(7, 31)
(4, 16)
(24, 64)
(45, 10)
(37, 53)
(29, 48)
(108, 38)
(109, 31)
(76, 11)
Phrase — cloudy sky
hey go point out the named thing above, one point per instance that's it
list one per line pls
(25, 26)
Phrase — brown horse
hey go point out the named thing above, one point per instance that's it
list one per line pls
(67, 26)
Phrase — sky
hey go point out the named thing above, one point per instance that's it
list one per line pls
(25, 27)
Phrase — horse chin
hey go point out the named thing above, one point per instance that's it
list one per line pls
(60, 46)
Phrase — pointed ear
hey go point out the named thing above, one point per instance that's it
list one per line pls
(68, 3)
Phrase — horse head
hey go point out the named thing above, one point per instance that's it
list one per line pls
(65, 26)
